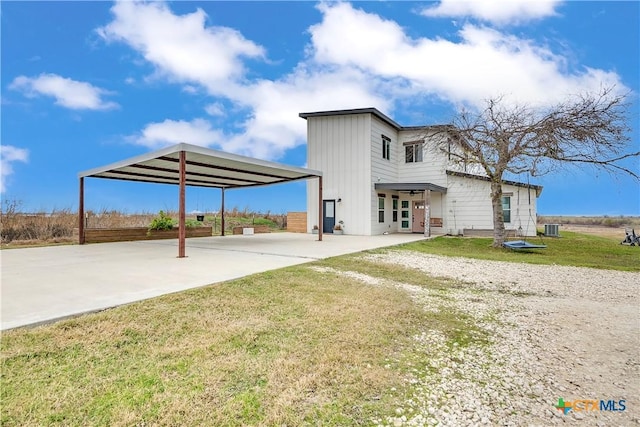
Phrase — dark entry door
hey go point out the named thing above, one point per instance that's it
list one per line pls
(328, 215)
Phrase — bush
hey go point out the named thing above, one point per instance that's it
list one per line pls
(162, 222)
(192, 223)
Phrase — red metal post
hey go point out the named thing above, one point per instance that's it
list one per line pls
(320, 209)
(81, 213)
(222, 213)
(182, 234)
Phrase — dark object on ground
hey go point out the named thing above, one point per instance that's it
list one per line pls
(631, 238)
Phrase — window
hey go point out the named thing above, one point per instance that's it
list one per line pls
(413, 152)
(395, 208)
(381, 207)
(506, 208)
(404, 213)
(386, 147)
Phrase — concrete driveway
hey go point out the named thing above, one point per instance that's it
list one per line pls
(40, 285)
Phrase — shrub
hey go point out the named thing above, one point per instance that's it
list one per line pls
(192, 223)
(162, 222)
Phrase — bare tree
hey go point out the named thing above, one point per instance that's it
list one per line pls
(590, 129)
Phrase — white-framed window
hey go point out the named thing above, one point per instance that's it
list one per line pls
(386, 147)
(394, 207)
(413, 151)
(404, 212)
(381, 207)
(506, 208)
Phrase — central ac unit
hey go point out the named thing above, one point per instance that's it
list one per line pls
(552, 230)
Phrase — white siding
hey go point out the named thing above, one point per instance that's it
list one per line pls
(434, 161)
(340, 146)
(383, 171)
(348, 149)
(468, 205)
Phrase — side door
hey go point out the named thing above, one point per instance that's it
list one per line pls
(328, 215)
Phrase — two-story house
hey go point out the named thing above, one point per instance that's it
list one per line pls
(380, 177)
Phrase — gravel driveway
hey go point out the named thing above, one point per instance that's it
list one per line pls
(555, 332)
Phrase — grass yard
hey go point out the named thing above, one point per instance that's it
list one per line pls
(295, 346)
(572, 248)
(289, 347)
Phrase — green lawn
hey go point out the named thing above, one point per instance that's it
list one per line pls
(570, 249)
(292, 347)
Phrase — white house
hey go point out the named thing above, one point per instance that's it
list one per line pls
(381, 177)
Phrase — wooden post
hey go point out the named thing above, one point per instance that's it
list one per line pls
(320, 207)
(81, 213)
(182, 232)
(222, 214)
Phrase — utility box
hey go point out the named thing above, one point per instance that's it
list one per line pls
(552, 230)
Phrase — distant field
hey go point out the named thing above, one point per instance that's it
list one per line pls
(599, 221)
(60, 227)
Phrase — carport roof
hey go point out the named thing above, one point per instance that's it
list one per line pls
(204, 168)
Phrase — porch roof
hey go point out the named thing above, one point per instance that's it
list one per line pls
(409, 186)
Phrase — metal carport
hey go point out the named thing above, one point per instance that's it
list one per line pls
(191, 165)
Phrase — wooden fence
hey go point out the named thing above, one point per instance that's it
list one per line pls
(297, 222)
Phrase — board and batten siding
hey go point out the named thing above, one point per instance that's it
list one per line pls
(468, 205)
(340, 146)
(383, 171)
(434, 161)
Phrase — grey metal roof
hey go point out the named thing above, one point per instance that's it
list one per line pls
(204, 168)
(370, 110)
(375, 112)
(409, 186)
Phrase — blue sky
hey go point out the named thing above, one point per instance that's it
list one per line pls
(85, 84)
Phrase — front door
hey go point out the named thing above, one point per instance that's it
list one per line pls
(328, 215)
(418, 217)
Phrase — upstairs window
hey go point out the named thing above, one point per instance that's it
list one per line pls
(413, 152)
(386, 147)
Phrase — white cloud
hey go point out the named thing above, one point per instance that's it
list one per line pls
(494, 11)
(68, 93)
(215, 109)
(8, 155)
(182, 48)
(169, 132)
(483, 64)
(354, 59)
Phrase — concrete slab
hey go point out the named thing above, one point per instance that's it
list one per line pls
(40, 285)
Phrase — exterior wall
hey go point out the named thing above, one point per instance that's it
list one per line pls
(382, 170)
(468, 205)
(340, 146)
(348, 149)
(434, 161)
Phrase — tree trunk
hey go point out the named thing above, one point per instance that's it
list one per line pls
(498, 216)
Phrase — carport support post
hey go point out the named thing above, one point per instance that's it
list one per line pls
(181, 215)
(81, 213)
(320, 209)
(222, 214)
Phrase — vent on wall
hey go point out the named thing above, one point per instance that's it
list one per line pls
(552, 230)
